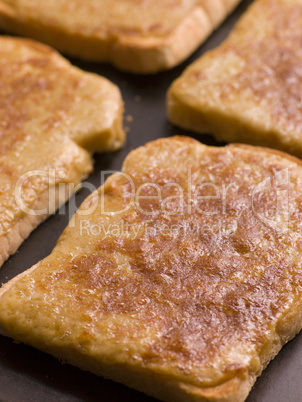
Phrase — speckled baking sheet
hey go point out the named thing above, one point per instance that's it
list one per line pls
(29, 375)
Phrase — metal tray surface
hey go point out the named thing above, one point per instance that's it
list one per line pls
(29, 375)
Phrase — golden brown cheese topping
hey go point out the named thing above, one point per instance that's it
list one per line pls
(195, 282)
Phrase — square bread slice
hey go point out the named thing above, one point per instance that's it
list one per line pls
(250, 88)
(141, 36)
(180, 277)
(52, 116)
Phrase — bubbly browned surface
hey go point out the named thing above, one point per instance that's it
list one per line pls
(198, 293)
(253, 79)
(48, 110)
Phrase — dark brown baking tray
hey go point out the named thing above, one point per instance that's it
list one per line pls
(29, 375)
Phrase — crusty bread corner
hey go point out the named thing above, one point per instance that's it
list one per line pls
(8, 285)
(10, 241)
(182, 114)
(136, 54)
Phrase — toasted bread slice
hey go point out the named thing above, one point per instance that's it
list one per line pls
(141, 36)
(52, 116)
(180, 277)
(248, 89)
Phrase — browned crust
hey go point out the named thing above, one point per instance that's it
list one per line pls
(134, 54)
(184, 115)
(8, 285)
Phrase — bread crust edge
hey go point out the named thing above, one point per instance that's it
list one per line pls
(11, 241)
(136, 55)
(185, 115)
